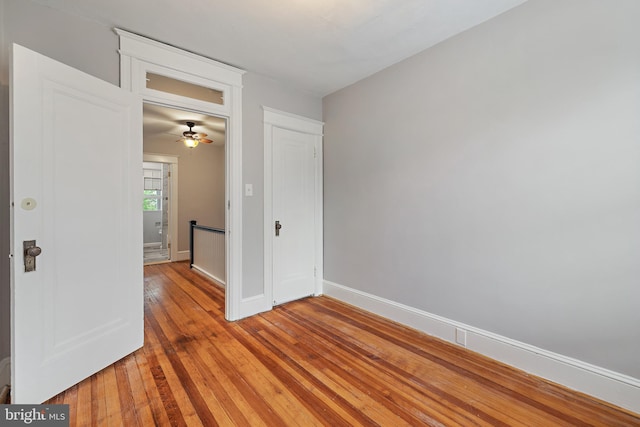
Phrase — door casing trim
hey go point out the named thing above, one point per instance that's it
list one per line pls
(137, 56)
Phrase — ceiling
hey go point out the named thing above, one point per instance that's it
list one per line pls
(165, 124)
(315, 45)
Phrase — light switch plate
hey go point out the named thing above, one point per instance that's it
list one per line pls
(248, 190)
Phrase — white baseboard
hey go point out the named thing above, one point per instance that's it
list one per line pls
(182, 256)
(209, 275)
(5, 371)
(618, 389)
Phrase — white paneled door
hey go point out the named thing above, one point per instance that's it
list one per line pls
(293, 214)
(76, 159)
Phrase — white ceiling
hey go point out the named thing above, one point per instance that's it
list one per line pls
(315, 45)
(163, 124)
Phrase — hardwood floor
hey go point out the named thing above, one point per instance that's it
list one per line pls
(306, 363)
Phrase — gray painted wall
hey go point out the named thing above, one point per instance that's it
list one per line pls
(494, 180)
(91, 47)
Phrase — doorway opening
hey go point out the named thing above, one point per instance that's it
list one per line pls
(195, 184)
(155, 211)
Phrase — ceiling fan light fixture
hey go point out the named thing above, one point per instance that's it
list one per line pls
(191, 139)
(190, 142)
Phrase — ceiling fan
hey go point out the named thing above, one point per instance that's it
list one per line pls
(191, 139)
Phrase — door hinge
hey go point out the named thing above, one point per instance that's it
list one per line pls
(169, 245)
(315, 272)
(315, 153)
(169, 174)
(228, 204)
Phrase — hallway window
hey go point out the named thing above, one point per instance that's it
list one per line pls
(152, 200)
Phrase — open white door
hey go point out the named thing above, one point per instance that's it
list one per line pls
(76, 188)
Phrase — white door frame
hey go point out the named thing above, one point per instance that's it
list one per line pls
(139, 55)
(173, 199)
(280, 119)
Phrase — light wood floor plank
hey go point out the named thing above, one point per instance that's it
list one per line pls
(83, 402)
(135, 397)
(314, 362)
(151, 391)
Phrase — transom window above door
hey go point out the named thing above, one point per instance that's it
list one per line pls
(167, 86)
(181, 88)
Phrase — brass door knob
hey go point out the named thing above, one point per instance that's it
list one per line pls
(34, 251)
(31, 251)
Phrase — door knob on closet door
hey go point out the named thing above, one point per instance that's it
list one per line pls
(278, 227)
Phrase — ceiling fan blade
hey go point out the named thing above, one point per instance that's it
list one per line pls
(201, 135)
(206, 141)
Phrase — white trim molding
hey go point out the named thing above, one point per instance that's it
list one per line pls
(610, 386)
(139, 55)
(5, 372)
(280, 119)
(204, 272)
(285, 120)
(182, 256)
